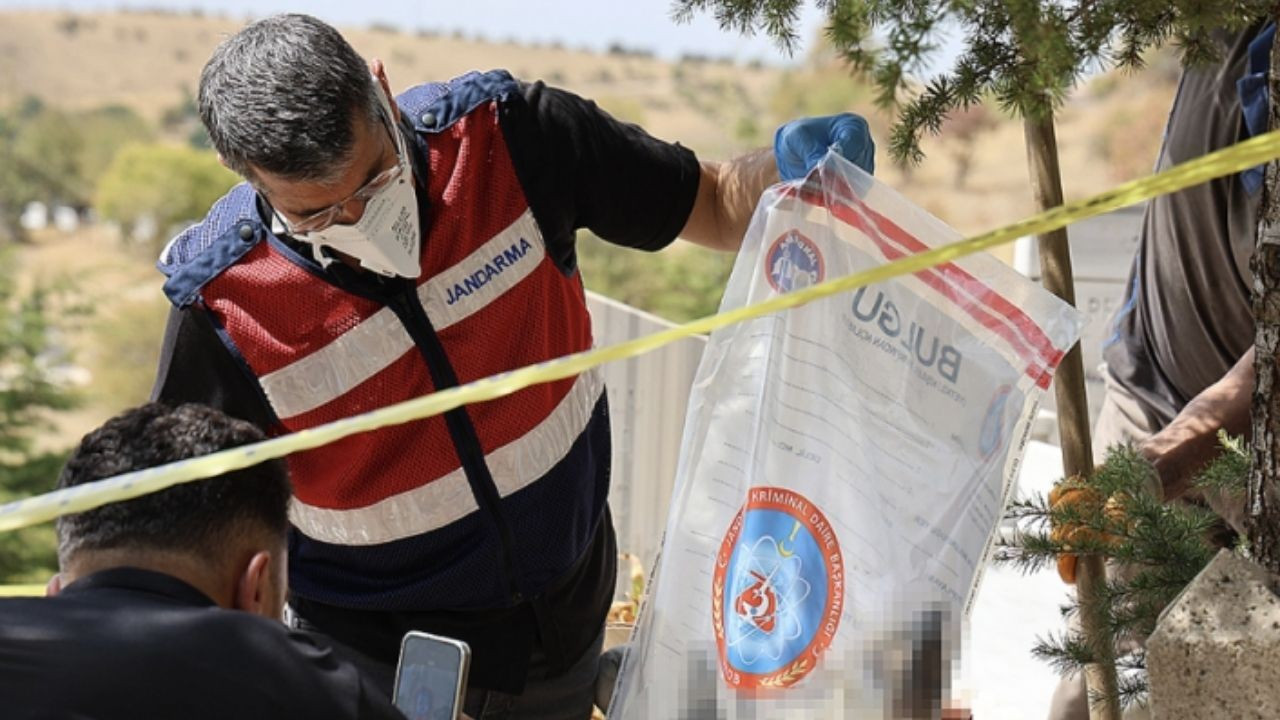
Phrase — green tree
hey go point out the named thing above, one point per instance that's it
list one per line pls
(40, 159)
(162, 184)
(50, 145)
(27, 396)
(15, 191)
(182, 121)
(680, 284)
(28, 555)
(1026, 54)
(106, 130)
(55, 156)
(1161, 546)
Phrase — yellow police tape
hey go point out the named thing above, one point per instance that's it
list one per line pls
(21, 590)
(40, 508)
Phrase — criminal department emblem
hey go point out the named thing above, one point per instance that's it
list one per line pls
(777, 592)
(793, 262)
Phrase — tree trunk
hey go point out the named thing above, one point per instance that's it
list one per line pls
(1263, 511)
(1073, 414)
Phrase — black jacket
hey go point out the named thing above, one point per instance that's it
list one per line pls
(130, 643)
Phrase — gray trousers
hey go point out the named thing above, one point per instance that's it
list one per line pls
(565, 696)
(568, 695)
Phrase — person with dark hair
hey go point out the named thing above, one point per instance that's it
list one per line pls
(169, 605)
(385, 247)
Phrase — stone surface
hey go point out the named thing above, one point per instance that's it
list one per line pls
(1216, 650)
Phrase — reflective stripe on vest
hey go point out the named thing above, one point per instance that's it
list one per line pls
(357, 354)
(495, 300)
(448, 499)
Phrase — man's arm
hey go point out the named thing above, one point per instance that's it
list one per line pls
(195, 366)
(727, 196)
(1188, 443)
(728, 191)
(582, 168)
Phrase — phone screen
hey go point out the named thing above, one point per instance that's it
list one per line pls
(429, 678)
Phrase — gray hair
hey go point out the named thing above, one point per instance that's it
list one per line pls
(282, 95)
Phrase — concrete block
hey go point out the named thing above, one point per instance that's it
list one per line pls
(1216, 649)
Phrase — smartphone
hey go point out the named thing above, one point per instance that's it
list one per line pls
(431, 676)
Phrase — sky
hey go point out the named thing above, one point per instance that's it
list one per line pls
(638, 24)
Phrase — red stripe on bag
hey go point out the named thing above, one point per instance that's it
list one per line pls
(1029, 341)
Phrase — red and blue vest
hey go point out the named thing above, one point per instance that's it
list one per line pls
(483, 506)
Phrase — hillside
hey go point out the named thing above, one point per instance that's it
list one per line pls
(150, 63)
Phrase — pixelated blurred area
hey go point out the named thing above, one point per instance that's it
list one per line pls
(999, 679)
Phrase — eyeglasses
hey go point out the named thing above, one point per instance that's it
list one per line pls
(317, 221)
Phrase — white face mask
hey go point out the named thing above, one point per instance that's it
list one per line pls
(386, 239)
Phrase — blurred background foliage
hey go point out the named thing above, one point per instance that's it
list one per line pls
(115, 173)
(163, 185)
(681, 283)
(30, 361)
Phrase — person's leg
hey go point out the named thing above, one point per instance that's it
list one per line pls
(564, 696)
(1120, 420)
(607, 675)
(380, 675)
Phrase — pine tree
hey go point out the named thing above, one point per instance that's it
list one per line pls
(1156, 548)
(27, 395)
(1026, 54)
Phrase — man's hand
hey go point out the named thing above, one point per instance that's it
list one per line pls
(728, 191)
(1181, 449)
(801, 144)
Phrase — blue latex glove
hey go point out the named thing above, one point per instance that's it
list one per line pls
(801, 144)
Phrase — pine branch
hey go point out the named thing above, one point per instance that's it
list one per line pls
(1228, 472)
(776, 19)
(1132, 688)
(1159, 548)
(1025, 55)
(1136, 660)
(1033, 508)
(1026, 552)
(1067, 653)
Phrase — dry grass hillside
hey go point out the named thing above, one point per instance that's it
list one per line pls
(150, 62)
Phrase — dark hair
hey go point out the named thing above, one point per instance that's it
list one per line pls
(196, 516)
(282, 95)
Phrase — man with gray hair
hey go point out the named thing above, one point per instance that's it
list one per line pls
(387, 247)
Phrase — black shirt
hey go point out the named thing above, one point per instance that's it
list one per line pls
(129, 643)
(579, 168)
